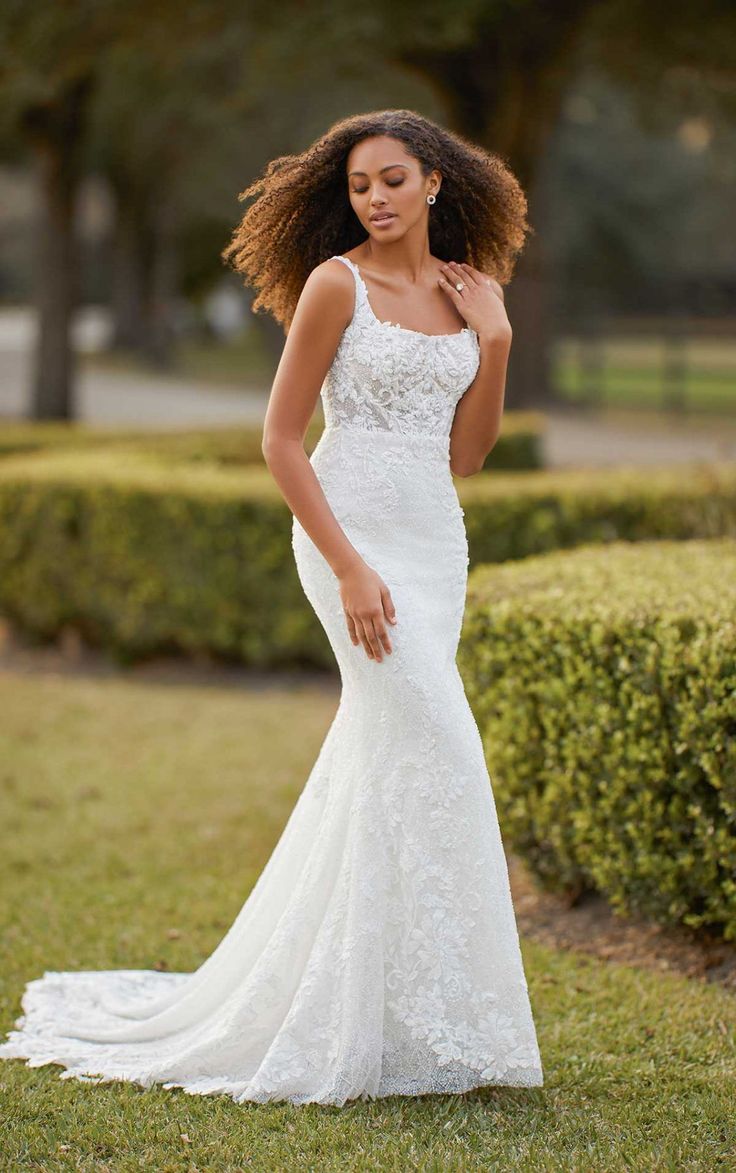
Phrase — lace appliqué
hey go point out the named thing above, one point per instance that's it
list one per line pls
(385, 376)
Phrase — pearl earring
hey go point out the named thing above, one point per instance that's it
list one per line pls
(431, 199)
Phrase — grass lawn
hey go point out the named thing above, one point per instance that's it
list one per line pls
(631, 373)
(137, 815)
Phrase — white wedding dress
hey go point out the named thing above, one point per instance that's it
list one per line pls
(378, 952)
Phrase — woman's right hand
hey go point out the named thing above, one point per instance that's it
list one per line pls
(367, 603)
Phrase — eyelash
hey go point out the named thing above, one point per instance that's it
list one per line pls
(362, 190)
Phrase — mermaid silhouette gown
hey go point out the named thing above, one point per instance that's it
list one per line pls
(378, 952)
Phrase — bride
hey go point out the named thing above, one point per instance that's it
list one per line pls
(378, 952)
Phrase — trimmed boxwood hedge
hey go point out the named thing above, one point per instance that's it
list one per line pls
(518, 447)
(513, 517)
(603, 681)
(143, 556)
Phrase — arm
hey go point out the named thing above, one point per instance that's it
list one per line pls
(477, 421)
(321, 315)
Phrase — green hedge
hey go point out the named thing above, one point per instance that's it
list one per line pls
(513, 517)
(518, 447)
(143, 556)
(604, 685)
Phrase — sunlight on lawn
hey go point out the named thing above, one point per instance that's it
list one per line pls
(138, 815)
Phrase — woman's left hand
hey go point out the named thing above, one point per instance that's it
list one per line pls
(480, 301)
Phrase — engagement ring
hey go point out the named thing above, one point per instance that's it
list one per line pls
(459, 286)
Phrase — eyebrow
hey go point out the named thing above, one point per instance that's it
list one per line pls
(386, 168)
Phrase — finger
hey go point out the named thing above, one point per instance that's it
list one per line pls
(365, 642)
(457, 276)
(382, 634)
(356, 632)
(374, 640)
(473, 274)
(388, 605)
(365, 632)
(385, 641)
(464, 272)
(486, 279)
(351, 629)
(452, 271)
(447, 283)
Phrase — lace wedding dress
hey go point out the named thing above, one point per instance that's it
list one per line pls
(378, 952)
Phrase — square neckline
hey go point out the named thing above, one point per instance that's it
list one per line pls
(395, 325)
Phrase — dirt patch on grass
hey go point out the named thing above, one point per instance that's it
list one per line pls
(589, 926)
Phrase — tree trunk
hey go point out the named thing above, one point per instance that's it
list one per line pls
(144, 274)
(130, 253)
(529, 301)
(163, 288)
(56, 133)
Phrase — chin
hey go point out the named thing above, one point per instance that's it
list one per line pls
(380, 232)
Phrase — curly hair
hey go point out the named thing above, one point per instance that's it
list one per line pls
(302, 214)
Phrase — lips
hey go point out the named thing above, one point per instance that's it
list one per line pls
(382, 216)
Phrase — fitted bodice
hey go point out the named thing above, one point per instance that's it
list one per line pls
(386, 377)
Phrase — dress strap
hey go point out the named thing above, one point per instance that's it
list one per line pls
(361, 294)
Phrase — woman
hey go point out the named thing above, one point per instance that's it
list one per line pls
(378, 952)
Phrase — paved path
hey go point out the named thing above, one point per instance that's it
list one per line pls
(115, 397)
(572, 438)
(579, 439)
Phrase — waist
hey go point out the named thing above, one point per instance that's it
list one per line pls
(421, 444)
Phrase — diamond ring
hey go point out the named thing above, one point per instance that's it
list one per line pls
(460, 286)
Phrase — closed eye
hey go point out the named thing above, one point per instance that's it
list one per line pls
(391, 183)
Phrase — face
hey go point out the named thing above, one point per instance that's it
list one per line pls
(387, 189)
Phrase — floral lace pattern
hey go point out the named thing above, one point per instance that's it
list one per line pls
(378, 953)
(400, 380)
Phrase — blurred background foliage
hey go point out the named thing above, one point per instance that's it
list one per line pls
(128, 129)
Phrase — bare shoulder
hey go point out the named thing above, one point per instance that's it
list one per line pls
(328, 293)
(496, 285)
(330, 276)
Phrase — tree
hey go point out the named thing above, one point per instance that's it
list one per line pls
(504, 84)
(52, 56)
